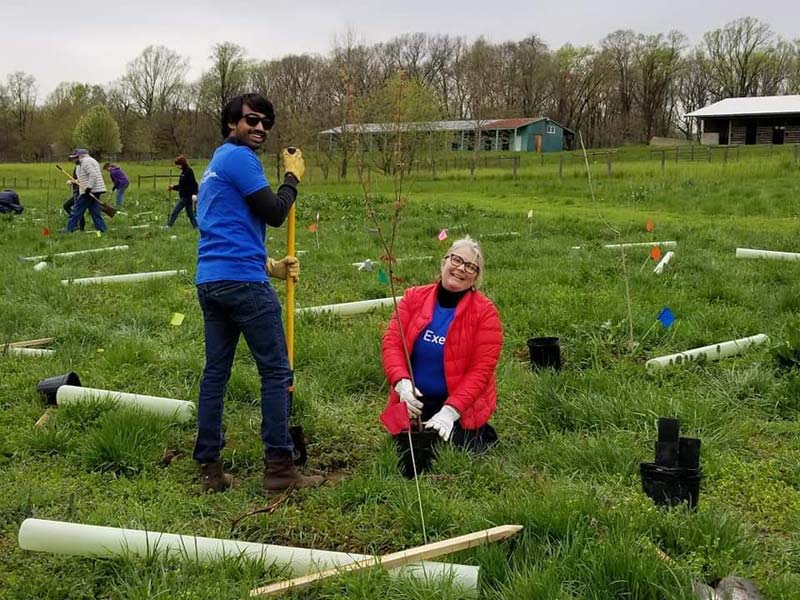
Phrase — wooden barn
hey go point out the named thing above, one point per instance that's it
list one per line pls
(748, 121)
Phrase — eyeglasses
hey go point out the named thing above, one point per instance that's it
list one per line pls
(252, 119)
(457, 261)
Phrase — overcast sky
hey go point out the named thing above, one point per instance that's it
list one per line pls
(92, 41)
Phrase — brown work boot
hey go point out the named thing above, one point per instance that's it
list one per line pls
(213, 478)
(281, 474)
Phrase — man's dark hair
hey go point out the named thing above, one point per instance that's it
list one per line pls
(233, 111)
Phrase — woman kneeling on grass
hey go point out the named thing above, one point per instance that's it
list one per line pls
(454, 336)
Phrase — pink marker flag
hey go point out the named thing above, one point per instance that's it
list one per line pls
(443, 235)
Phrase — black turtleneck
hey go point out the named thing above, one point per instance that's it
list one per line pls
(448, 299)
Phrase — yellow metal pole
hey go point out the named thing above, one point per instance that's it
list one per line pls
(290, 250)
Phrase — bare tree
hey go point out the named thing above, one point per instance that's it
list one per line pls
(227, 78)
(620, 47)
(21, 92)
(693, 89)
(577, 77)
(154, 78)
(792, 82)
(658, 62)
(737, 53)
(530, 76)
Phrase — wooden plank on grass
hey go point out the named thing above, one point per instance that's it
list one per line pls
(31, 343)
(395, 559)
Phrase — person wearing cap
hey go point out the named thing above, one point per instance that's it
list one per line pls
(91, 186)
(234, 207)
(186, 188)
(119, 182)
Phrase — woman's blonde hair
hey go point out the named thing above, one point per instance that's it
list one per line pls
(469, 243)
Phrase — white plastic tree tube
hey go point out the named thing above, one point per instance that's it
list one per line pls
(92, 541)
(665, 244)
(500, 234)
(29, 351)
(663, 263)
(348, 308)
(181, 410)
(405, 259)
(713, 352)
(76, 253)
(129, 277)
(145, 226)
(751, 253)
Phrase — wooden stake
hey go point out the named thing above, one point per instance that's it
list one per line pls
(395, 559)
(45, 417)
(30, 343)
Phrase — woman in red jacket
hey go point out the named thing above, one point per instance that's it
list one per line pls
(454, 336)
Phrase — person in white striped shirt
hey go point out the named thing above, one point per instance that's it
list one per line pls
(90, 181)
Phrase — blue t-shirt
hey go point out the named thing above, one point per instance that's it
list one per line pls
(231, 237)
(427, 356)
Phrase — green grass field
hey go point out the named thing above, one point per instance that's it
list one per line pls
(567, 467)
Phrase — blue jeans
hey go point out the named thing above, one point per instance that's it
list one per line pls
(179, 205)
(121, 195)
(86, 201)
(252, 309)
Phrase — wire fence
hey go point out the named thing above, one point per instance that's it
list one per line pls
(329, 168)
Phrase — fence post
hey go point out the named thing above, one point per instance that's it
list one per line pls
(663, 160)
(677, 150)
(515, 165)
(737, 152)
(433, 169)
(708, 153)
(15, 181)
(154, 182)
(795, 155)
(608, 163)
(725, 158)
(691, 152)
(561, 165)
(541, 152)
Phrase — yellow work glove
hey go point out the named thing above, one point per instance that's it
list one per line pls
(294, 163)
(287, 266)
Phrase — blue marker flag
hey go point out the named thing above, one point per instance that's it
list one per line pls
(666, 317)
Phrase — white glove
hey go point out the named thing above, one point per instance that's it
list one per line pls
(410, 395)
(443, 422)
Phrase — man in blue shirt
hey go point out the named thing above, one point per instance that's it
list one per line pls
(234, 206)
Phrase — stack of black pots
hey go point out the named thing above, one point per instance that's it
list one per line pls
(675, 475)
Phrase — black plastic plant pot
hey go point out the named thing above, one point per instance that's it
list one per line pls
(689, 453)
(49, 387)
(668, 429)
(423, 445)
(671, 487)
(545, 353)
(667, 454)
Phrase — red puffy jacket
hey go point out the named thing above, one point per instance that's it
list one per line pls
(471, 351)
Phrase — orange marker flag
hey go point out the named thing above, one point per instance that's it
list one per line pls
(45, 232)
(313, 228)
(655, 253)
(650, 225)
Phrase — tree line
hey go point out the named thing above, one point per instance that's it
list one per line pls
(628, 88)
